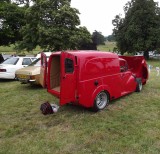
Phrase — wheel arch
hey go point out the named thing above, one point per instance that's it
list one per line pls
(98, 90)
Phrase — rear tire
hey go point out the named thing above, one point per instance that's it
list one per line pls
(139, 85)
(101, 101)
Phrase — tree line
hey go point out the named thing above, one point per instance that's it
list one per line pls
(139, 29)
(51, 24)
(55, 25)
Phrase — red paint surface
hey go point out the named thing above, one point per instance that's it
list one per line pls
(96, 71)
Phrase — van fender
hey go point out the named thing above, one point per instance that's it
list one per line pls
(97, 91)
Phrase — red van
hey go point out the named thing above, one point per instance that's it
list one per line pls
(93, 78)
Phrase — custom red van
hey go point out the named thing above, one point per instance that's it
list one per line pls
(93, 78)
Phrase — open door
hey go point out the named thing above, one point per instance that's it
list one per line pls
(68, 78)
(43, 71)
(127, 84)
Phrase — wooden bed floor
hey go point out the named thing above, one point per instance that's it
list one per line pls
(57, 88)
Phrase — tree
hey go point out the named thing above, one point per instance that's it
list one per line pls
(11, 21)
(52, 24)
(23, 2)
(110, 38)
(98, 38)
(139, 30)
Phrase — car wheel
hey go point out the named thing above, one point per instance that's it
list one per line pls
(139, 85)
(101, 101)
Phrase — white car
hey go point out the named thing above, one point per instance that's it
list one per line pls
(10, 65)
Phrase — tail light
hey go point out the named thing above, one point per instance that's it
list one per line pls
(2, 70)
(32, 77)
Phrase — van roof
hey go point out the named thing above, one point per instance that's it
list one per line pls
(94, 53)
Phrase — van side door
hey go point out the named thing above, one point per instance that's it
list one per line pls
(43, 70)
(68, 78)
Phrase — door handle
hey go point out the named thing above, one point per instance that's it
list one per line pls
(64, 76)
(96, 83)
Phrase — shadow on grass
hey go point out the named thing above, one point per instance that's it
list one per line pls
(30, 86)
(72, 109)
(7, 80)
(76, 109)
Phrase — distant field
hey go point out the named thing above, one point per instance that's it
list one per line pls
(10, 50)
(107, 47)
(130, 125)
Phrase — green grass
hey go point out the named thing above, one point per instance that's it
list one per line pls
(107, 47)
(129, 125)
(11, 50)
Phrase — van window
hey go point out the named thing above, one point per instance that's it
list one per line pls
(123, 66)
(69, 68)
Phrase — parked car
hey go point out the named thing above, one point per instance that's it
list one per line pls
(92, 79)
(1, 58)
(32, 73)
(10, 65)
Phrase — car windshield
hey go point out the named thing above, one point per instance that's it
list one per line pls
(37, 62)
(12, 61)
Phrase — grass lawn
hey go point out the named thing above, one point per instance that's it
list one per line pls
(11, 50)
(107, 47)
(129, 125)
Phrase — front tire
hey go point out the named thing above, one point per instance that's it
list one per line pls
(101, 101)
(139, 85)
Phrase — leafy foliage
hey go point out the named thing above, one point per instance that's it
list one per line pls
(52, 25)
(110, 38)
(11, 21)
(98, 38)
(140, 29)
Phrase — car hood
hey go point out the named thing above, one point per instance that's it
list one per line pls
(6, 65)
(29, 70)
(10, 68)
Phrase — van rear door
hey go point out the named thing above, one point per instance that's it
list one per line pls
(43, 71)
(68, 78)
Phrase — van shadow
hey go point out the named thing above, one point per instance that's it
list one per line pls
(76, 109)
(80, 109)
(31, 87)
(118, 99)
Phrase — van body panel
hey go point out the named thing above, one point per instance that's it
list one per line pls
(53, 77)
(79, 76)
(138, 66)
(44, 68)
(43, 71)
(67, 78)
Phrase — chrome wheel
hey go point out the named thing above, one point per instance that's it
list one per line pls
(101, 101)
(139, 85)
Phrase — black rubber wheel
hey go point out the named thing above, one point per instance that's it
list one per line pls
(139, 85)
(101, 101)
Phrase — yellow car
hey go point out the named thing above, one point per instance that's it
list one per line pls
(36, 72)
(30, 74)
